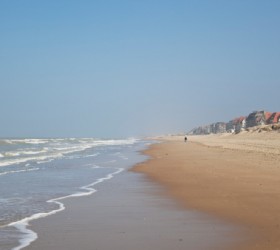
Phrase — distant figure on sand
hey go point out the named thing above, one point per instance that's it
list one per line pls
(186, 138)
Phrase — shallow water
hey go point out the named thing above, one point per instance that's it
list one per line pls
(36, 175)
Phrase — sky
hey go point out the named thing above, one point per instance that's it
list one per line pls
(114, 69)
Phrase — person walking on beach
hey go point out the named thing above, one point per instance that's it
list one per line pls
(186, 138)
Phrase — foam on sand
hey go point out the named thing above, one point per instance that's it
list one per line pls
(29, 235)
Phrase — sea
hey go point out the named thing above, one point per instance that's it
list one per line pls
(37, 175)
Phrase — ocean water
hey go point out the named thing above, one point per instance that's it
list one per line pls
(36, 175)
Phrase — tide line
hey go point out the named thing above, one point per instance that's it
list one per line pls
(30, 236)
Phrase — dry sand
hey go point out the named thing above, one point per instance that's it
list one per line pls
(235, 177)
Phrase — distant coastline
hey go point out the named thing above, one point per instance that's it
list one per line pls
(255, 121)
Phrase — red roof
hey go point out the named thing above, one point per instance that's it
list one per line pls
(268, 115)
(276, 117)
(238, 120)
(241, 118)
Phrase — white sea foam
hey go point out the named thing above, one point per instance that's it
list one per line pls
(121, 156)
(19, 153)
(29, 235)
(28, 141)
(95, 167)
(36, 141)
(11, 154)
(93, 155)
(46, 161)
(40, 158)
(92, 166)
(115, 142)
(58, 151)
(33, 152)
(26, 159)
(19, 171)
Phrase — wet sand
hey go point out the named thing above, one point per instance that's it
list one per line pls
(130, 212)
(233, 177)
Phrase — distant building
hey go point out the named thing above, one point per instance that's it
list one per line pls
(212, 128)
(236, 125)
(257, 118)
(230, 127)
(219, 127)
(274, 118)
(240, 124)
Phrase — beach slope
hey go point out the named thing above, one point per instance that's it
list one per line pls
(235, 177)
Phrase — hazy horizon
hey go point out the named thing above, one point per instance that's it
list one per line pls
(134, 68)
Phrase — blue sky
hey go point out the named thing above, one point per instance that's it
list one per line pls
(132, 68)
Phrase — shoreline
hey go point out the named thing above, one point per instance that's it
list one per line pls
(131, 212)
(23, 225)
(233, 177)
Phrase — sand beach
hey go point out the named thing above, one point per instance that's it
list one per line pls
(96, 99)
(92, 199)
(223, 189)
(132, 212)
(234, 177)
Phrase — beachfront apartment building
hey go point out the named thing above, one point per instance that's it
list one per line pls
(236, 125)
(274, 118)
(256, 118)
